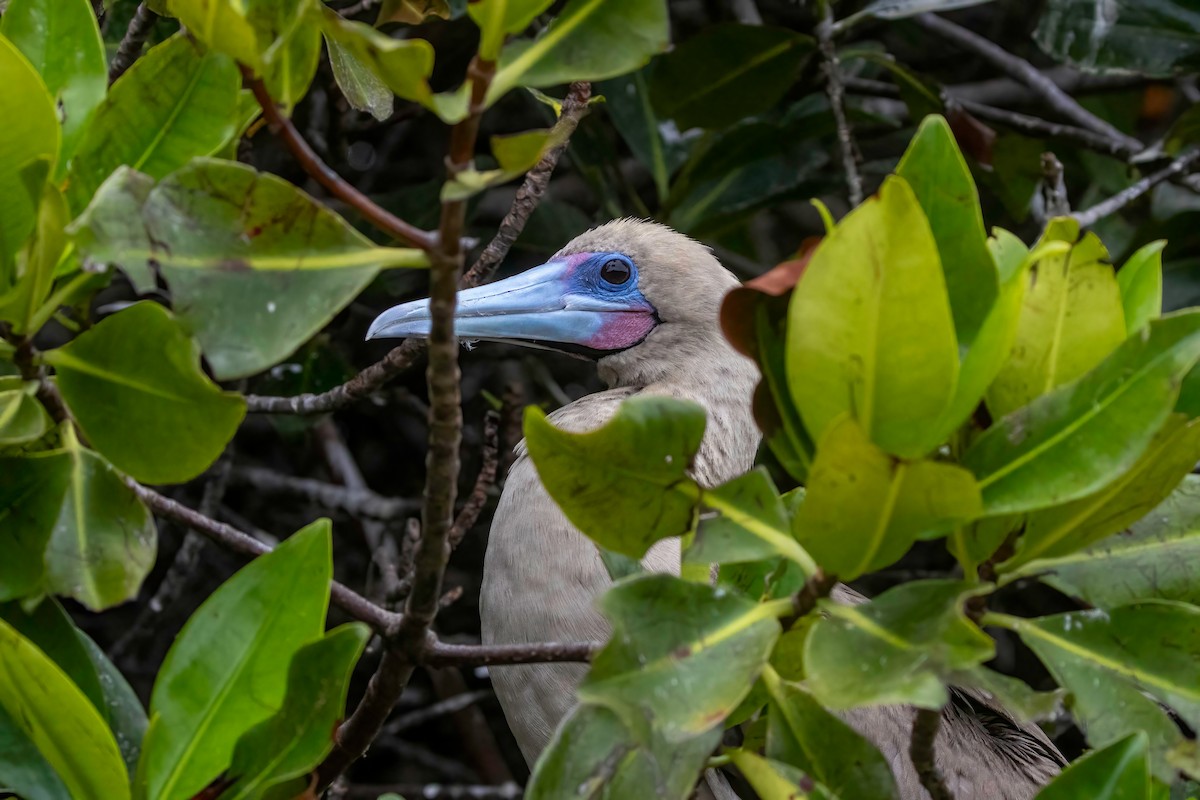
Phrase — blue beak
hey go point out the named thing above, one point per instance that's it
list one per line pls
(549, 303)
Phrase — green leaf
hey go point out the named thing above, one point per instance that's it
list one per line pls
(1116, 772)
(31, 500)
(1155, 559)
(110, 233)
(1071, 319)
(898, 648)
(594, 754)
(750, 524)
(1062, 530)
(1107, 660)
(771, 780)
(938, 174)
(22, 418)
(30, 133)
(1141, 285)
(125, 714)
(62, 41)
(227, 670)
(255, 32)
(362, 88)
(624, 485)
(1075, 440)
(411, 12)
(589, 40)
(682, 654)
(1152, 37)
(863, 509)
(59, 721)
(870, 328)
(498, 18)
(803, 734)
(404, 65)
(41, 257)
(627, 102)
(254, 285)
(26, 773)
(727, 72)
(173, 104)
(291, 62)
(516, 153)
(292, 742)
(129, 403)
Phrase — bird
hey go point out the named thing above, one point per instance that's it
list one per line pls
(642, 301)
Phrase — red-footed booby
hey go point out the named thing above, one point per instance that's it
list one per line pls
(643, 300)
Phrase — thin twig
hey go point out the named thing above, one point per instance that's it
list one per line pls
(484, 482)
(836, 91)
(378, 216)
(359, 502)
(921, 751)
(401, 358)
(437, 791)
(474, 733)
(1028, 74)
(450, 705)
(1179, 166)
(132, 43)
(445, 654)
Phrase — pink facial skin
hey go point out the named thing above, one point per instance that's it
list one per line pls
(622, 330)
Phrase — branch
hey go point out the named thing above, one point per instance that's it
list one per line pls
(1028, 74)
(380, 217)
(484, 482)
(921, 751)
(450, 705)
(359, 502)
(834, 87)
(444, 654)
(530, 193)
(1179, 166)
(438, 791)
(131, 44)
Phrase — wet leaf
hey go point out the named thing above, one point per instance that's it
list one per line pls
(1116, 772)
(133, 382)
(1152, 37)
(173, 104)
(1071, 319)
(1141, 285)
(1078, 438)
(293, 741)
(727, 72)
(62, 41)
(624, 485)
(897, 648)
(227, 669)
(870, 329)
(1155, 559)
(59, 721)
(589, 40)
(863, 509)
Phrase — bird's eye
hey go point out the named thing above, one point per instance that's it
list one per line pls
(615, 271)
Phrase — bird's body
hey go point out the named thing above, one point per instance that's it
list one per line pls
(542, 576)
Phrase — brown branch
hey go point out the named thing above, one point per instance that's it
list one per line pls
(805, 600)
(1179, 166)
(474, 733)
(836, 91)
(401, 358)
(921, 751)
(445, 654)
(131, 44)
(360, 502)
(438, 791)
(1028, 74)
(450, 705)
(380, 217)
(484, 482)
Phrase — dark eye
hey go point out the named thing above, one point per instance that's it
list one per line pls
(615, 271)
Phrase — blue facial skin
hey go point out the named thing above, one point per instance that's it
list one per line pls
(586, 300)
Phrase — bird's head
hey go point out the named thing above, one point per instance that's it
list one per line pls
(629, 294)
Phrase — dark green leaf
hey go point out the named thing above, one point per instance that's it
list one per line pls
(627, 101)
(25, 771)
(62, 41)
(624, 485)
(361, 87)
(1075, 440)
(802, 733)
(129, 403)
(863, 509)
(126, 717)
(898, 648)
(173, 104)
(1141, 285)
(727, 72)
(31, 499)
(588, 40)
(60, 722)
(682, 655)
(227, 670)
(1153, 37)
(1155, 559)
(876, 343)
(935, 169)
(298, 736)
(1116, 772)
(110, 233)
